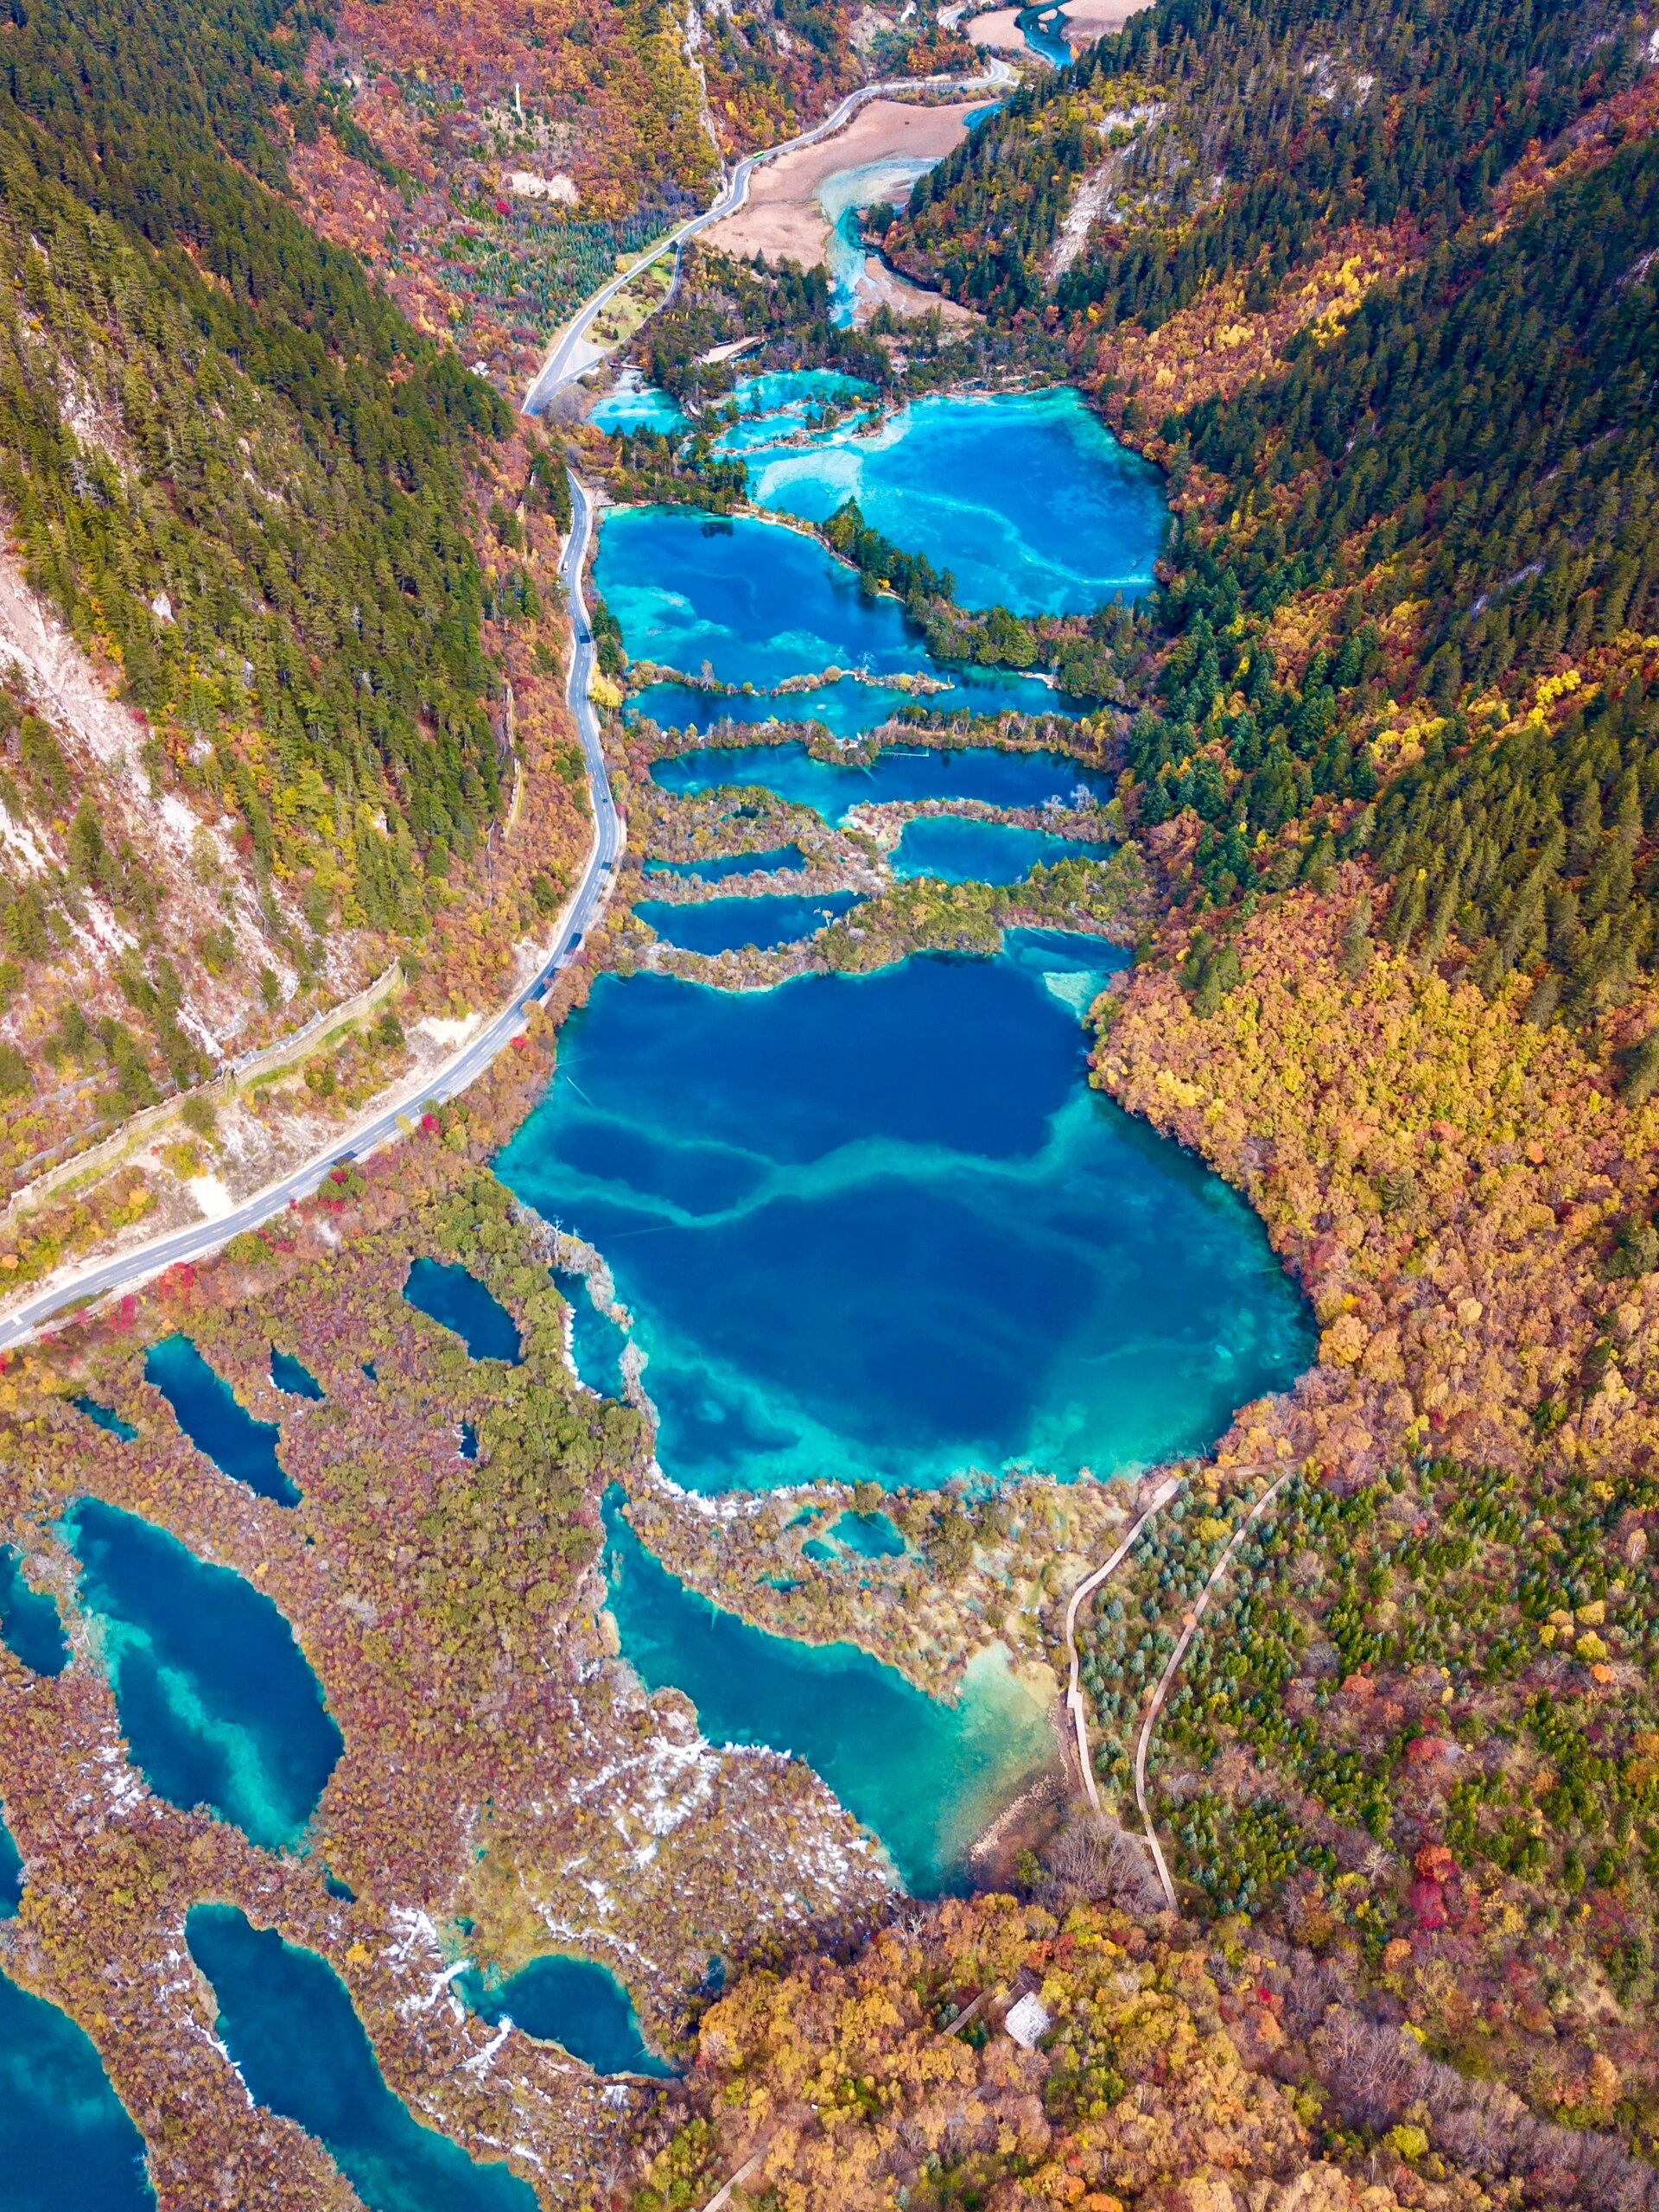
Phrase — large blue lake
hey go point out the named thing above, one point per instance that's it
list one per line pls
(880, 1227)
(751, 602)
(1025, 497)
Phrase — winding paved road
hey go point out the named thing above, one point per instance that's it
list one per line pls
(128, 1269)
(562, 366)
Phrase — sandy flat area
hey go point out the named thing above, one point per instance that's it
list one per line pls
(1086, 21)
(1083, 22)
(1000, 31)
(782, 217)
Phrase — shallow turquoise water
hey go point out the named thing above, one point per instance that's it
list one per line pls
(66, 2144)
(900, 773)
(925, 1776)
(633, 405)
(454, 1297)
(1041, 27)
(29, 1625)
(882, 1228)
(11, 1872)
(207, 1409)
(574, 2003)
(289, 2024)
(777, 405)
(716, 871)
(106, 1418)
(728, 924)
(217, 1701)
(753, 602)
(1027, 498)
(842, 197)
(293, 1375)
(597, 1342)
(954, 850)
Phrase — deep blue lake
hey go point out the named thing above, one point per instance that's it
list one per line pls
(880, 1227)
(953, 850)
(573, 2002)
(899, 773)
(926, 1776)
(289, 2023)
(216, 1699)
(66, 2144)
(216, 1422)
(728, 925)
(1025, 497)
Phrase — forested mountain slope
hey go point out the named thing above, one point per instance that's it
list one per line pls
(293, 545)
(495, 162)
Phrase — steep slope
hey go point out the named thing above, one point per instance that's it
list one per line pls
(279, 656)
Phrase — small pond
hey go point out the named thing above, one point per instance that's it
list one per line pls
(211, 1415)
(455, 1298)
(780, 859)
(574, 2003)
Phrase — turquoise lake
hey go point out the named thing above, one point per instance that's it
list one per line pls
(289, 2023)
(774, 406)
(208, 1411)
(1025, 497)
(951, 849)
(66, 2144)
(728, 924)
(574, 2003)
(926, 1776)
(633, 405)
(703, 594)
(880, 1227)
(216, 1699)
(899, 773)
